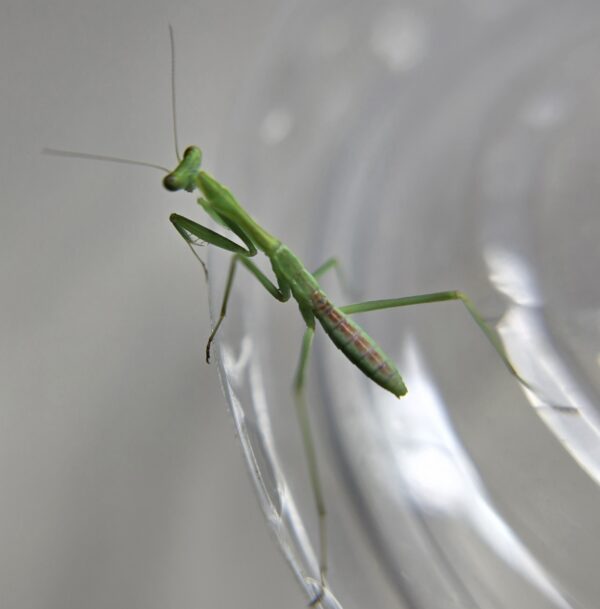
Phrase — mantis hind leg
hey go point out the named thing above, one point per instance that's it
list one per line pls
(310, 451)
(490, 333)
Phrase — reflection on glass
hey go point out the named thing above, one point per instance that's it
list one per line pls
(430, 147)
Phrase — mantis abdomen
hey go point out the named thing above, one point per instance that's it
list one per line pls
(356, 344)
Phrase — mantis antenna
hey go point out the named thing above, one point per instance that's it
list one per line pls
(114, 159)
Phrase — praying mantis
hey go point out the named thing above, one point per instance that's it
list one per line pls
(292, 280)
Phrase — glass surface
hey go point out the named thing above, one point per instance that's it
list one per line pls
(430, 146)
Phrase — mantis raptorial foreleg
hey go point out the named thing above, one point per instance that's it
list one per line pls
(195, 234)
(192, 232)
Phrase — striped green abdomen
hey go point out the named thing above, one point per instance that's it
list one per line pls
(356, 344)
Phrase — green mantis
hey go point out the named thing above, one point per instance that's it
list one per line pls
(292, 280)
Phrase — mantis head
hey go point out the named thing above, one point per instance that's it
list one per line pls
(183, 177)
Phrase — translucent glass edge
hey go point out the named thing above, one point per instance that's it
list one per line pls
(296, 547)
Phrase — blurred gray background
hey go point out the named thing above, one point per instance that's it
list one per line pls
(123, 485)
